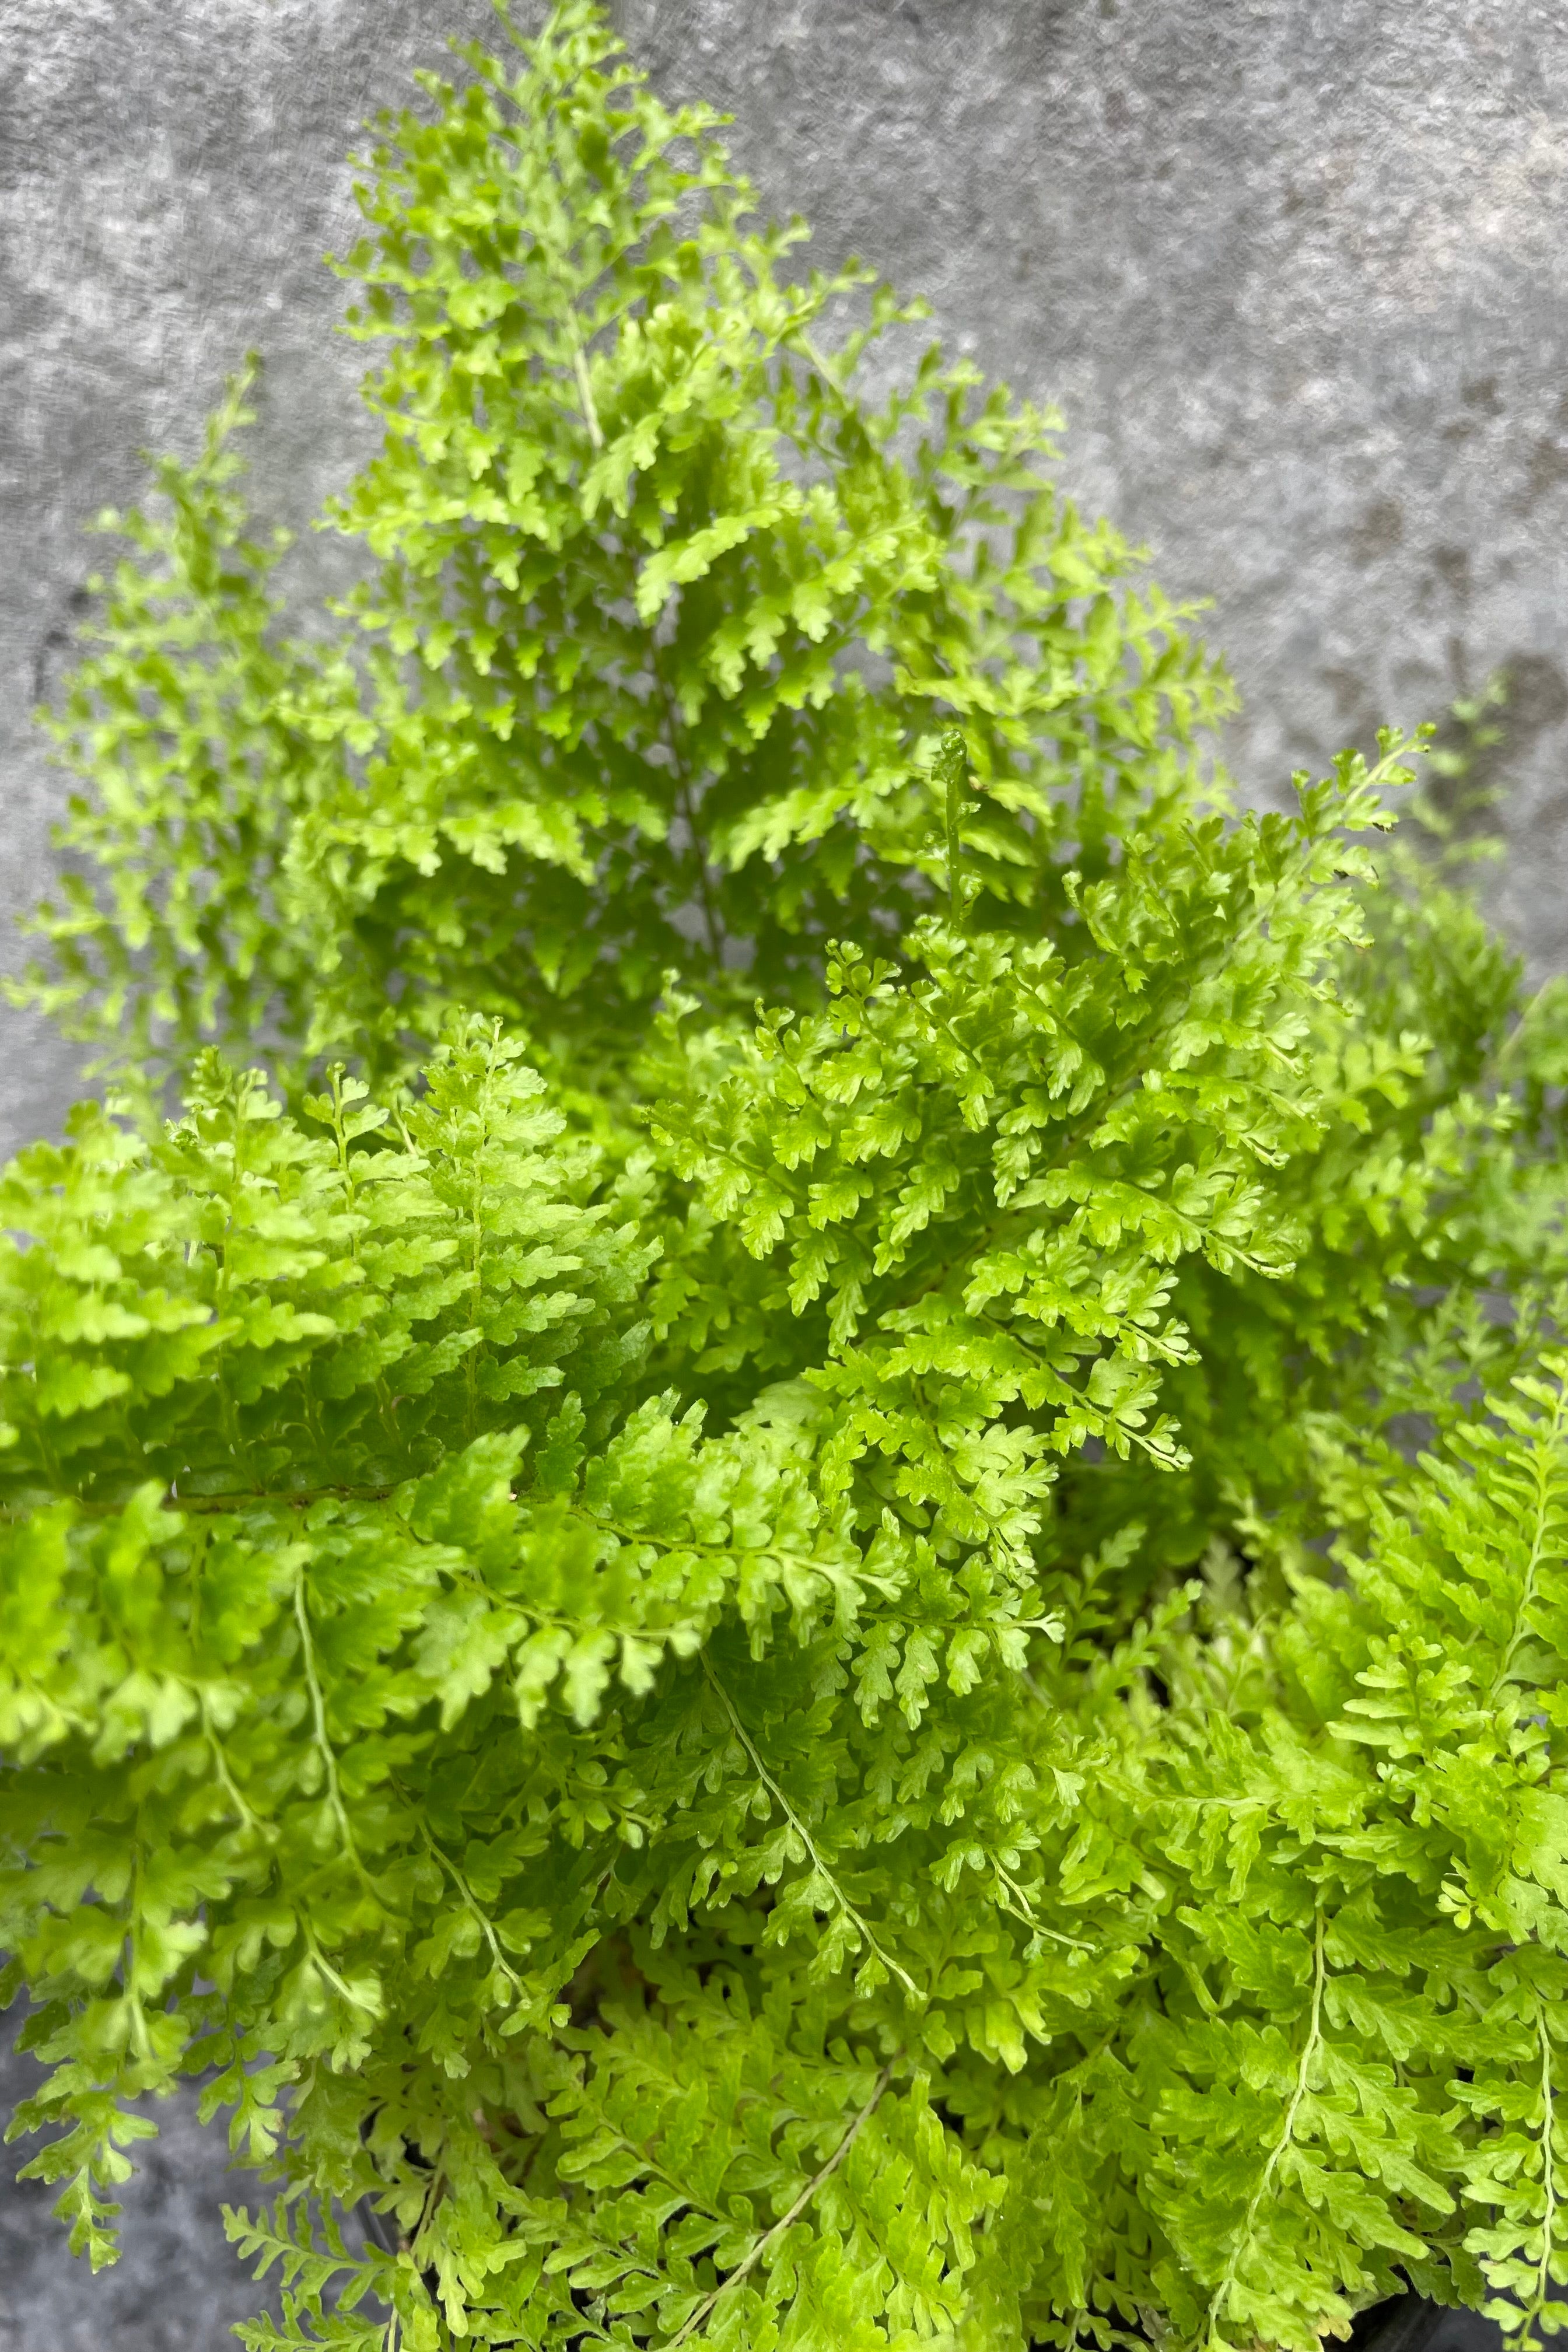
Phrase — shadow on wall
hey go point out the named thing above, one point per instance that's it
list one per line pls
(1531, 700)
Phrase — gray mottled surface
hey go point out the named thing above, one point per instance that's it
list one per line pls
(179, 2288)
(1297, 269)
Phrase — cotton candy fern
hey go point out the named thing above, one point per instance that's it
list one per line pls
(793, 1574)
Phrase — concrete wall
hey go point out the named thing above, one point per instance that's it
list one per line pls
(1297, 269)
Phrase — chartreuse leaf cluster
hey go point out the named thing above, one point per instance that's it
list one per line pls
(657, 606)
(793, 1574)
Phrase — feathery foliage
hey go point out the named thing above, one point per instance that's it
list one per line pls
(796, 1572)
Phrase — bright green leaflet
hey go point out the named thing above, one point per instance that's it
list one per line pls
(807, 1583)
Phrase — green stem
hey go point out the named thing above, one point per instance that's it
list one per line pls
(230, 1786)
(686, 801)
(340, 1985)
(318, 1714)
(585, 389)
(744, 2269)
(1545, 1454)
(1548, 2169)
(952, 774)
(1288, 2132)
(461, 1884)
(772, 1786)
(139, 2033)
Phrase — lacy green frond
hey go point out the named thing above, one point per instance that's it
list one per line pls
(796, 1571)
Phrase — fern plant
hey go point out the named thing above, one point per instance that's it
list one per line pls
(795, 1570)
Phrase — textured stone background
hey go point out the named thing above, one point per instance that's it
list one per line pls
(1295, 269)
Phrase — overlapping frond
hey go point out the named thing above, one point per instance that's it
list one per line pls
(805, 1588)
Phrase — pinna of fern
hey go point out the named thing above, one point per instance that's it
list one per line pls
(657, 608)
(662, 1873)
(809, 1590)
